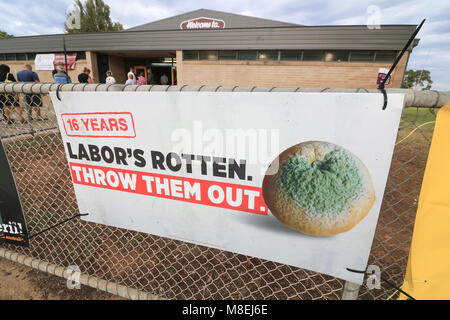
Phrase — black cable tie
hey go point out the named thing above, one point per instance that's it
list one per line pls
(437, 99)
(57, 92)
(356, 271)
(57, 225)
(383, 279)
(397, 60)
(385, 98)
(397, 288)
(27, 236)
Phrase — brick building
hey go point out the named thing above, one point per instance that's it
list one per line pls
(206, 47)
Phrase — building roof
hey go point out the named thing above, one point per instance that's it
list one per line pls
(232, 21)
(240, 33)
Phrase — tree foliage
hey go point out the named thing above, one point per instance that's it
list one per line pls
(4, 34)
(417, 79)
(94, 17)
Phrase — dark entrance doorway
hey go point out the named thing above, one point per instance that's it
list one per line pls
(152, 68)
(141, 70)
(103, 66)
(164, 68)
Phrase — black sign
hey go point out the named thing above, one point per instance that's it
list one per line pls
(13, 228)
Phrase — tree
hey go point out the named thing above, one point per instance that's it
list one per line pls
(417, 79)
(94, 17)
(4, 34)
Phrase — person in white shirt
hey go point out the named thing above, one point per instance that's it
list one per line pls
(132, 74)
(109, 78)
(130, 80)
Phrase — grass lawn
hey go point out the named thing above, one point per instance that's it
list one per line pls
(419, 120)
(418, 115)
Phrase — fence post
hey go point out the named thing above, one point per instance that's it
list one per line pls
(351, 291)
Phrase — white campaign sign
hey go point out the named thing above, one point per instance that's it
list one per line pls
(44, 61)
(190, 166)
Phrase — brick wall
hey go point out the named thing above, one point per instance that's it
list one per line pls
(117, 66)
(46, 76)
(289, 74)
(91, 63)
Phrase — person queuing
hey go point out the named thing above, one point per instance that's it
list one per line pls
(61, 76)
(85, 77)
(149, 76)
(9, 101)
(33, 101)
(130, 80)
(109, 78)
(131, 73)
(164, 80)
(141, 79)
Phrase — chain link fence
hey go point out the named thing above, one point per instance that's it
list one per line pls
(173, 269)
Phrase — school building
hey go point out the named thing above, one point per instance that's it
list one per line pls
(206, 47)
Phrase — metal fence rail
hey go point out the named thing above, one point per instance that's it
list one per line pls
(173, 269)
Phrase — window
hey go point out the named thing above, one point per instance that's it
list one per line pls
(21, 56)
(385, 56)
(190, 55)
(10, 57)
(339, 56)
(208, 55)
(227, 55)
(268, 55)
(81, 55)
(291, 55)
(362, 56)
(312, 55)
(285, 55)
(247, 55)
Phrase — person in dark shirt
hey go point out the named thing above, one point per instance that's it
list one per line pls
(33, 101)
(84, 77)
(7, 100)
(27, 74)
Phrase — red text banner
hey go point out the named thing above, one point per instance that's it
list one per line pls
(204, 192)
(99, 124)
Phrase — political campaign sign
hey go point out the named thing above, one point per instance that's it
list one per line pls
(13, 228)
(382, 73)
(296, 178)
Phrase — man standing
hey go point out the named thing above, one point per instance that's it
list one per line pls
(27, 74)
(9, 101)
(61, 76)
(131, 73)
(33, 101)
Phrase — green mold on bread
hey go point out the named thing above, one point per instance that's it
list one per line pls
(320, 189)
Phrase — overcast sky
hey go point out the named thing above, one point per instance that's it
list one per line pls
(30, 17)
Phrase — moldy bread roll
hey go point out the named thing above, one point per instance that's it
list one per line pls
(320, 189)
